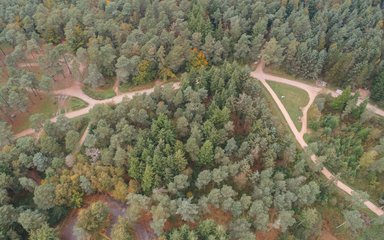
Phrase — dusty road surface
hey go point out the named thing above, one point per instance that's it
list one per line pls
(312, 92)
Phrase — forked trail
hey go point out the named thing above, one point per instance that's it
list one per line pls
(76, 91)
(312, 92)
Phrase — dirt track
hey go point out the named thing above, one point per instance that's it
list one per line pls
(76, 91)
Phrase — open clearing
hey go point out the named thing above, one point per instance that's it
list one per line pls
(293, 99)
(75, 103)
(101, 93)
(46, 105)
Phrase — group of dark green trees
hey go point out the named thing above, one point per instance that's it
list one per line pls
(183, 156)
(349, 140)
(139, 40)
(207, 157)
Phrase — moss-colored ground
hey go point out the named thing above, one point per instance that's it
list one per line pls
(293, 99)
(76, 104)
(278, 117)
(46, 105)
(123, 88)
(276, 71)
(100, 93)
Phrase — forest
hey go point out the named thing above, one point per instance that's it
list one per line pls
(204, 155)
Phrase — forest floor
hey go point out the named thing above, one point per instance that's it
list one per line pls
(141, 230)
(75, 103)
(105, 92)
(294, 99)
(47, 105)
(123, 88)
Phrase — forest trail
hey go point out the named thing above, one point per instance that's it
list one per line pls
(76, 91)
(312, 91)
(116, 87)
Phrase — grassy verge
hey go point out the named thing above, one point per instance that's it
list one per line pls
(76, 104)
(294, 99)
(123, 88)
(281, 73)
(100, 93)
(279, 119)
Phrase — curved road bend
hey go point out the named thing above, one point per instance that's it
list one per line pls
(312, 92)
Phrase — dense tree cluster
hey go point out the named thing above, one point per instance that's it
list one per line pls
(349, 140)
(205, 161)
(139, 40)
(178, 154)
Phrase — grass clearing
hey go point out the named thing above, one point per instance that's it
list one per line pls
(278, 117)
(281, 73)
(100, 93)
(46, 105)
(294, 99)
(124, 87)
(75, 103)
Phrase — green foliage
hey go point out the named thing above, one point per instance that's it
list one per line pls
(207, 229)
(94, 79)
(353, 220)
(94, 218)
(122, 230)
(6, 134)
(44, 196)
(31, 220)
(273, 53)
(44, 233)
(148, 178)
(71, 140)
(37, 121)
(40, 161)
(146, 72)
(377, 90)
(206, 154)
(340, 102)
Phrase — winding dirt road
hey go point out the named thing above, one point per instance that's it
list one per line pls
(76, 91)
(312, 92)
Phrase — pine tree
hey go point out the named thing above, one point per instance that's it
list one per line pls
(206, 154)
(148, 179)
